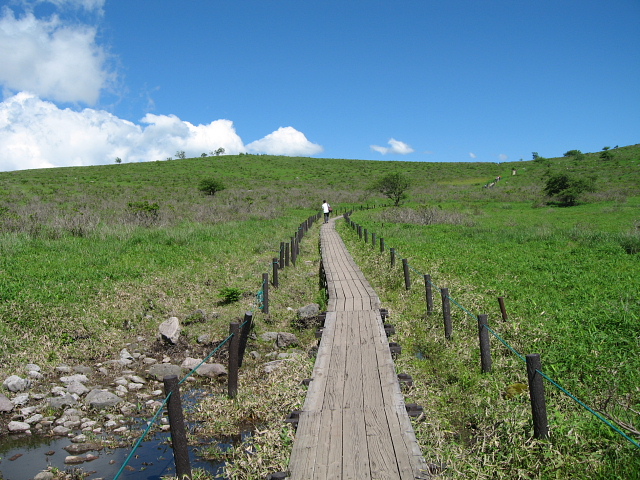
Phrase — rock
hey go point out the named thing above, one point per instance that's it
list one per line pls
(254, 354)
(77, 378)
(34, 419)
(204, 338)
(18, 427)
(21, 399)
(74, 460)
(149, 360)
(79, 439)
(170, 330)
(160, 370)
(59, 402)
(308, 311)
(190, 363)
(84, 370)
(269, 336)
(35, 375)
(137, 379)
(60, 431)
(44, 476)
(102, 399)
(78, 448)
(16, 384)
(77, 388)
(272, 366)
(212, 370)
(32, 367)
(285, 340)
(63, 369)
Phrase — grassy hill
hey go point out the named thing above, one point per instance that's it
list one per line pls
(92, 256)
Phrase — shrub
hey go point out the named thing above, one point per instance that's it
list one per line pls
(393, 186)
(230, 294)
(566, 189)
(210, 186)
(144, 213)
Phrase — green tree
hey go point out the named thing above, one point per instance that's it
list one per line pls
(606, 153)
(181, 154)
(566, 189)
(210, 186)
(394, 186)
(118, 160)
(219, 151)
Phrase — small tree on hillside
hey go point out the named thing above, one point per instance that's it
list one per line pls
(394, 186)
(181, 154)
(606, 153)
(210, 186)
(566, 189)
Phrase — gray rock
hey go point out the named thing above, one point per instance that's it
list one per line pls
(18, 427)
(35, 375)
(212, 370)
(84, 370)
(77, 378)
(308, 311)
(170, 330)
(74, 460)
(101, 399)
(272, 366)
(21, 399)
(77, 388)
(44, 476)
(269, 336)
(63, 401)
(254, 354)
(204, 338)
(32, 367)
(34, 419)
(77, 448)
(190, 363)
(64, 369)
(16, 384)
(285, 340)
(160, 370)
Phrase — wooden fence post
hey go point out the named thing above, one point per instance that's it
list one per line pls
(446, 312)
(373, 239)
(381, 245)
(366, 236)
(176, 425)
(485, 344)
(428, 293)
(293, 251)
(407, 276)
(281, 262)
(234, 359)
(393, 256)
(244, 335)
(265, 293)
(502, 309)
(274, 280)
(286, 254)
(536, 392)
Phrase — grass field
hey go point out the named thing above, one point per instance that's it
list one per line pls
(90, 256)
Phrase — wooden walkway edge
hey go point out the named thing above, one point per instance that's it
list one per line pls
(354, 424)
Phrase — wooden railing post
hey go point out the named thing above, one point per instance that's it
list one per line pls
(176, 425)
(265, 293)
(446, 312)
(293, 251)
(286, 254)
(428, 293)
(373, 239)
(281, 262)
(503, 310)
(381, 245)
(536, 392)
(407, 276)
(244, 336)
(485, 344)
(274, 280)
(393, 256)
(234, 359)
(366, 236)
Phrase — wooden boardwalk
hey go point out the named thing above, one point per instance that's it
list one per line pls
(353, 424)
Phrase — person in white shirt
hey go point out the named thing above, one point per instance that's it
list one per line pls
(326, 209)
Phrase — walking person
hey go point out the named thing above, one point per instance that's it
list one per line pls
(326, 209)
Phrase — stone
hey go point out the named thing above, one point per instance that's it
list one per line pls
(190, 363)
(269, 336)
(170, 330)
(270, 367)
(101, 399)
(77, 378)
(18, 427)
(78, 448)
(14, 383)
(59, 402)
(285, 340)
(204, 338)
(64, 369)
(32, 367)
(212, 370)
(21, 399)
(34, 419)
(149, 360)
(74, 460)
(137, 379)
(44, 476)
(308, 311)
(60, 431)
(77, 388)
(35, 375)
(254, 354)
(83, 369)
(160, 370)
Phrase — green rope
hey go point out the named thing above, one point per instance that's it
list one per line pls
(589, 409)
(207, 358)
(505, 343)
(144, 434)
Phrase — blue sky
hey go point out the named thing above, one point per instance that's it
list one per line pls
(86, 81)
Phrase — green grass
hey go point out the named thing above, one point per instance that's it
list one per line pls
(81, 271)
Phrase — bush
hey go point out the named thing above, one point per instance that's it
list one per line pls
(210, 186)
(393, 186)
(230, 295)
(566, 189)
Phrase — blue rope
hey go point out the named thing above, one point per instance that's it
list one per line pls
(589, 409)
(505, 343)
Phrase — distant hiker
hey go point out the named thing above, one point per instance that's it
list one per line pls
(326, 209)
(513, 171)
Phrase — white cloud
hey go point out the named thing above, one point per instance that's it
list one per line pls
(396, 146)
(502, 157)
(53, 60)
(473, 155)
(37, 134)
(285, 141)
